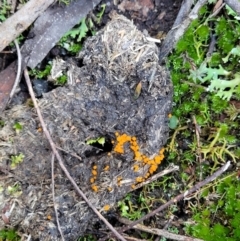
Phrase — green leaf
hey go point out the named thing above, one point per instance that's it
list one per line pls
(225, 88)
(61, 80)
(173, 122)
(230, 11)
(100, 14)
(91, 141)
(212, 1)
(138, 89)
(18, 127)
(101, 140)
(234, 51)
(16, 160)
(40, 74)
(123, 207)
(83, 30)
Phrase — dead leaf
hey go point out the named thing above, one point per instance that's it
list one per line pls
(138, 90)
(7, 79)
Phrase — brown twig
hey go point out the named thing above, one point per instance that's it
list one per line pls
(199, 154)
(159, 232)
(54, 149)
(175, 200)
(53, 196)
(133, 239)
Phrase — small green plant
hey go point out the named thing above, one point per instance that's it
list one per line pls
(66, 2)
(15, 160)
(133, 208)
(99, 140)
(232, 112)
(4, 10)
(219, 218)
(88, 237)
(205, 127)
(224, 88)
(9, 235)
(14, 190)
(173, 122)
(73, 39)
(100, 14)
(41, 74)
(217, 152)
(173, 230)
(62, 80)
(128, 210)
(17, 127)
(2, 123)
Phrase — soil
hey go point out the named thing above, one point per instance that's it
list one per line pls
(155, 16)
(95, 110)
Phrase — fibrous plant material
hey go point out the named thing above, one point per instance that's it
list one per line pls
(98, 103)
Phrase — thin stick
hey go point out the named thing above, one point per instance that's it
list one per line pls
(133, 239)
(53, 196)
(159, 232)
(68, 152)
(156, 176)
(181, 196)
(199, 154)
(29, 238)
(17, 79)
(46, 132)
(174, 200)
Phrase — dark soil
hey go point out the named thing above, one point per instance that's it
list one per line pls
(155, 16)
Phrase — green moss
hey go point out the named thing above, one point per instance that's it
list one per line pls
(203, 86)
(9, 235)
(220, 219)
(5, 9)
(41, 74)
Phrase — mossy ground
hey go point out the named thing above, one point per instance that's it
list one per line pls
(213, 213)
(202, 105)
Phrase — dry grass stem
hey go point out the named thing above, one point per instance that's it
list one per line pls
(159, 232)
(53, 196)
(17, 80)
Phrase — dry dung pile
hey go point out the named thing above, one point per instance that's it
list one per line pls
(122, 94)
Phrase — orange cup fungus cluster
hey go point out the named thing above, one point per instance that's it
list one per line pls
(140, 159)
(138, 156)
(93, 178)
